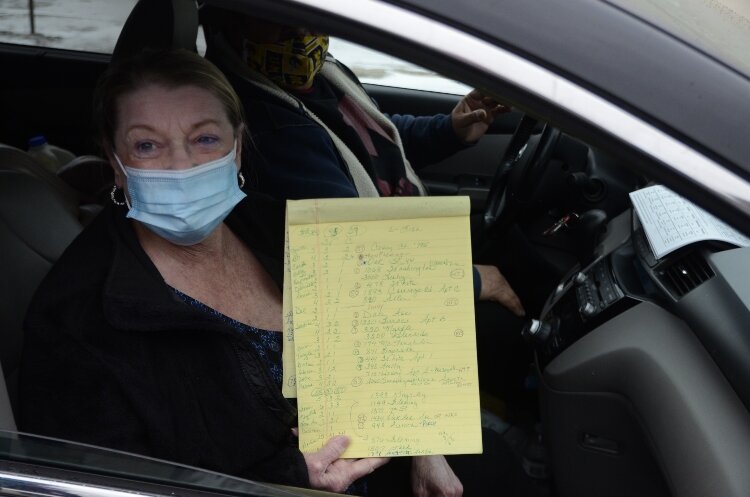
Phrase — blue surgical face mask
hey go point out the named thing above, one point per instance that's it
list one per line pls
(183, 206)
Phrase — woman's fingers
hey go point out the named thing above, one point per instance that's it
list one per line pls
(332, 450)
(327, 471)
(363, 467)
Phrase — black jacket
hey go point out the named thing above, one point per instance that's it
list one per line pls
(113, 358)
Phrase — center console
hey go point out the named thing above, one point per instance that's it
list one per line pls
(588, 295)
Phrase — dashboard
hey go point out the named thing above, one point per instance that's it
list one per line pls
(704, 284)
(644, 368)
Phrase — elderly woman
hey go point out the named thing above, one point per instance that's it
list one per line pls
(157, 330)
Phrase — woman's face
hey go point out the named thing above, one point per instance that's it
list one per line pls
(171, 128)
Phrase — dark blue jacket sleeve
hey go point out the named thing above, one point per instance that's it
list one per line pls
(427, 139)
(477, 282)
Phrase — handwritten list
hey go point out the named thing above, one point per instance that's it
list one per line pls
(379, 325)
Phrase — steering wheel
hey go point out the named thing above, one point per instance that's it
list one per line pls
(522, 166)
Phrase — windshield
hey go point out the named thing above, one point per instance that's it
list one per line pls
(721, 28)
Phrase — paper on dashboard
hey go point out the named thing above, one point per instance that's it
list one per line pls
(671, 221)
(381, 325)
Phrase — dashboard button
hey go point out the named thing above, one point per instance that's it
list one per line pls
(588, 309)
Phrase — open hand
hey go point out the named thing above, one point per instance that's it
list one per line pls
(473, 115)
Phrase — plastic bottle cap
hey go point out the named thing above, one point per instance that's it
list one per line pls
(37, 141)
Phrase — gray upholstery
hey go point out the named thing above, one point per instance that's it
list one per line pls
(90, 175)
(83, 183)
(36, 225)
(6, 414)
(15, 159)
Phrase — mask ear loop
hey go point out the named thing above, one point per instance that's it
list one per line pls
(114, 189)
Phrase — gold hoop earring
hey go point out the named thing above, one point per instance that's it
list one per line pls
(242, 180)
(112, 196)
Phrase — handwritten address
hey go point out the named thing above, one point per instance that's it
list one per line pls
(384, 336)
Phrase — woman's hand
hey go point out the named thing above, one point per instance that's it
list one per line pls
(328, 472)
(432, 477)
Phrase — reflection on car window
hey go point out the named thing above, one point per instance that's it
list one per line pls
(381, 69)
(18, 447)
(69, 24)
(84, 25)
(718, 27)
(94, 27)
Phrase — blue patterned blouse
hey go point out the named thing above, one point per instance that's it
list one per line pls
(268, 346)
(266, 343)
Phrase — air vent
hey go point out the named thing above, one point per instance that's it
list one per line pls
(686, 273)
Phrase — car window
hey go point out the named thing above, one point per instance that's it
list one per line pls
(70, 24)
(718, 27)
(94, 27)
(67, 24)
(377, 68)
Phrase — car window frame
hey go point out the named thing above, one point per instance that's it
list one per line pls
(530, 87)
(30, 465)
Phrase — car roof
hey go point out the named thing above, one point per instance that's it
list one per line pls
(699, 99)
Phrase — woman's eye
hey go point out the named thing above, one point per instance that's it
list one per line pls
(145, 147)
(207, 140)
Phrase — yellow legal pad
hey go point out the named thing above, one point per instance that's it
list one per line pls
(379, 339)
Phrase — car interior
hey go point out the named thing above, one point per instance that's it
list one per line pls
(634, 388)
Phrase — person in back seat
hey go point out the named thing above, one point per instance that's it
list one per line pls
(157, 332)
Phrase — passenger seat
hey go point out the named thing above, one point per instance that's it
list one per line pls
(37, 223)
(40, 214)
(83, 183)
(15, 159)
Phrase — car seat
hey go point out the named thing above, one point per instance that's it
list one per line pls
(37, 223)
(90, 176)
(15, 159)
(83, 183)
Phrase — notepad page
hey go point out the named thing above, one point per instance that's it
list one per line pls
(311, 211)
(384, 335)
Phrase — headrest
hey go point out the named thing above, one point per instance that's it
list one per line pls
(37, 215)
(89, 175)
(16, 160)
(158, 24)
